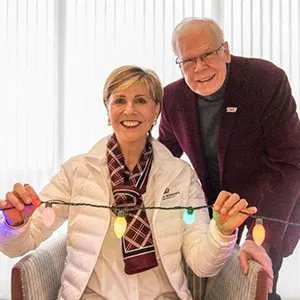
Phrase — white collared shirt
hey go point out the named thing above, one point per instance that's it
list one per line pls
(109, 281)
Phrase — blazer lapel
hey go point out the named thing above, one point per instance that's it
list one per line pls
(232, 99)
(190, 110)
(193, 135)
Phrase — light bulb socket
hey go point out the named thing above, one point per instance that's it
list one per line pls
(259, 221)
(190, 210)
(121, 213)
(48, 204)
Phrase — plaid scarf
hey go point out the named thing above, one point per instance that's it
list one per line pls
(137, 243)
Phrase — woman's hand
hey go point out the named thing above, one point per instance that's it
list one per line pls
(23, 201)
(226, 212)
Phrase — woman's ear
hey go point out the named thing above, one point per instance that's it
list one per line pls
(157, 110)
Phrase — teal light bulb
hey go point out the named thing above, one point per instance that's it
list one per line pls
(189, 216)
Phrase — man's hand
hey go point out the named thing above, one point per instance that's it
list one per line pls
(250, 251)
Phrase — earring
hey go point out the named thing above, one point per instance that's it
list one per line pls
(108, 122)
(154, 123)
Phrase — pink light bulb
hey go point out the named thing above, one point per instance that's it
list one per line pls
(48, 215)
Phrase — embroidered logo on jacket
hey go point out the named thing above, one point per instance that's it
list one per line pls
(168, 195)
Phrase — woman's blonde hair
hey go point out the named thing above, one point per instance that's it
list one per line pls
(125, 76)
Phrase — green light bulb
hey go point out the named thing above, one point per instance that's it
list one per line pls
(189, 216)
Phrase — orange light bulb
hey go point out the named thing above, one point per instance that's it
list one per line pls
(258, 232)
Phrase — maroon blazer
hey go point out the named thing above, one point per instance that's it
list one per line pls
(258, 147)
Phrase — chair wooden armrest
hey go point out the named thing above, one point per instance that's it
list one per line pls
(37, 275)
(231, 283)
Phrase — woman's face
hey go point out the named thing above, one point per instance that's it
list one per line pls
(132, 112)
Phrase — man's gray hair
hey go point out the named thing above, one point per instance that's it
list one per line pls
(188, 23)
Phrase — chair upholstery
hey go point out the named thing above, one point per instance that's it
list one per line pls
(37, 277)
(230, 283)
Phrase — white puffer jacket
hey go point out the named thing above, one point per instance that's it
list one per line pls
(86, 178)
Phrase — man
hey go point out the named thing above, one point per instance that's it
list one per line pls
(236, 120)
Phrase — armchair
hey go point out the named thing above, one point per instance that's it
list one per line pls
(37, 277)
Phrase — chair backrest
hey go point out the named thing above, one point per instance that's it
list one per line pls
(37, 277)
(230, 283)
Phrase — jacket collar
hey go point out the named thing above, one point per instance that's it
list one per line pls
(97, 155)
(163, 169)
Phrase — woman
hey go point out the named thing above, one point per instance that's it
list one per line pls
(127, 169)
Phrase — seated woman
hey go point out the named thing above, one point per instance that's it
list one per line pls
(127, 169)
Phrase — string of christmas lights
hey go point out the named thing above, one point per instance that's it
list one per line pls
(120, 224)
(133, 208)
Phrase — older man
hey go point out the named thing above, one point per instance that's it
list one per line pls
(236, 120)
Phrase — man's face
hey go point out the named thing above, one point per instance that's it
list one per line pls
(205, 73)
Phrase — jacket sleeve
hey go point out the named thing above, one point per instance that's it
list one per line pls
(205, 249)
(166, 133)
(16, 241)
(277, 183)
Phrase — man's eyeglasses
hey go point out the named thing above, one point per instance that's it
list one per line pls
(206, 57)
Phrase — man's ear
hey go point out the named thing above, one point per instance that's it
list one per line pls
(227, 52)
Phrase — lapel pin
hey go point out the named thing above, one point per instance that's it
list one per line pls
(231, 109)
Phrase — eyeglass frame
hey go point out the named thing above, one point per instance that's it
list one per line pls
(201, 57)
